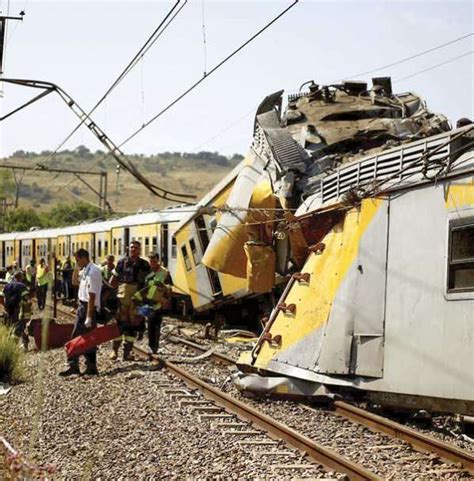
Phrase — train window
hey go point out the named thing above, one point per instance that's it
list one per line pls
(202, 232)
(184, 251)
(106, 247)
(87, 245)
(115, 246)
(99, 249)
(119, 247)
(173, 248)
(147, 245)
(194, 252)
(154, 244)
(461, 258)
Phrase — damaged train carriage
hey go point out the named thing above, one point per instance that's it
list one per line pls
(379, 251)
(236, 246)
(383, 305)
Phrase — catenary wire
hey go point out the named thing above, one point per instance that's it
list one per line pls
(159, 30)
(213, 70)
(406, 59)
(434, 66)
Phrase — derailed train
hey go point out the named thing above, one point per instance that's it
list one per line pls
(355, 207)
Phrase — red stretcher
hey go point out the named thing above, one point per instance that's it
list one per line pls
(81, 344)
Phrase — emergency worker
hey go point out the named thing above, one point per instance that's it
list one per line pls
(109, 294)
(30, 275)
(90, 287)
(9, 274)
(43, 280)
(67, 269)
(108, 268)
(13, 294)
(153, 298)
(129, 277)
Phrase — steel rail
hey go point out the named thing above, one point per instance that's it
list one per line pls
(217, 356)
(416, 439)
(316, 452)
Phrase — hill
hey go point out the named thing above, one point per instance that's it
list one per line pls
(194, 173)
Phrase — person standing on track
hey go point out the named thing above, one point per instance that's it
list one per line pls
(67, 269)
(153, 298)
(30, 275)
(43, 280)
(129, 276)
(15, 294)
(90, 288)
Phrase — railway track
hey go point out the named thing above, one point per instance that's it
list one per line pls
(419, 441)
(316, 452)
(461, 461)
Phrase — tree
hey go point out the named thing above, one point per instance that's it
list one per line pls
(83, 152)
(7, 184)
(67, 214)
(22, 219)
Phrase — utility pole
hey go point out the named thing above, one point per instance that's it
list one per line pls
(101, 193)
(3, 30)
(4, 204)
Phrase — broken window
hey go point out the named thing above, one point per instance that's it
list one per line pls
(194, 252)
(461, 258)
(173, 248)
(187, 263)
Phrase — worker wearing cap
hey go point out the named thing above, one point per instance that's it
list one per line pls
(90, 288)
(129, 277)
(153, 298)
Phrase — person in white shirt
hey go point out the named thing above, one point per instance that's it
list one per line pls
(90, 287)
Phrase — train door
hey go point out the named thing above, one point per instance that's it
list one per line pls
(164, 254)
(20, 254)
(93, 251)
(126, 240)
(3, 258)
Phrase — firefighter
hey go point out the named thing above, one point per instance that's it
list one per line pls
(14, 294)
(153, 298)
(43, 280)
(129, 277)
(90, 288)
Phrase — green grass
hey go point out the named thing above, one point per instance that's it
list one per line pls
(12, 357)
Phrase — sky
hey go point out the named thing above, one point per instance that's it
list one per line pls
(83, 46)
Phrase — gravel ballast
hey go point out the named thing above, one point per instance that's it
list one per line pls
(123, 424)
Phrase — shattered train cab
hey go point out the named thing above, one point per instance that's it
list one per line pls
(223, 237)
(382, 305)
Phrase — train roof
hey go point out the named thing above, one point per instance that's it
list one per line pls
(192, 211)
(172, 214)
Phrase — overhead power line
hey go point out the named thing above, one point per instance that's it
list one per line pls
(411, 57)
(213, 70)
(160, 29)
(435, 66)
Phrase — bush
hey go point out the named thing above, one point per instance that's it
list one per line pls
(12, 356)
